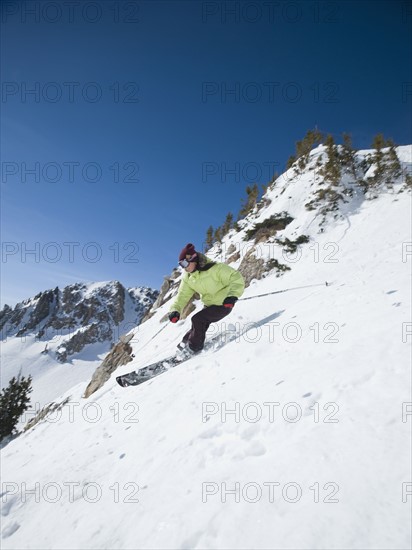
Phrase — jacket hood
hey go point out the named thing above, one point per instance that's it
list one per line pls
(204, 262)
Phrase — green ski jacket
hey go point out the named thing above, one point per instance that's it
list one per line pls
(214, 285)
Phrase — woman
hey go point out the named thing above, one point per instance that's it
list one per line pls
(219, 287)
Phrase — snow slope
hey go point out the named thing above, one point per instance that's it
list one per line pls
(294, 436)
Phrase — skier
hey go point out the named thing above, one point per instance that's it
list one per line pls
(219, 286)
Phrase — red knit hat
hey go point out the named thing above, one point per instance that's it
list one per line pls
(188, 250)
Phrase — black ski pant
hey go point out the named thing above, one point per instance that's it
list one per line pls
(195, 337)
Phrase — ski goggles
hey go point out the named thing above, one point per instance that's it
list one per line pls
(184, 263)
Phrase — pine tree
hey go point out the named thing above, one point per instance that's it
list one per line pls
(217, 238)
(14, 400)
(291, 161)
(209, 238)
(393, 167)
(250, 202)
(387, 164)
(378, 142)
(227, 226)
(378, 158)
(304, 147)
(331, 170)
(348, 156)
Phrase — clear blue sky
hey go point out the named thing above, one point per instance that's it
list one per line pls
(148, 119)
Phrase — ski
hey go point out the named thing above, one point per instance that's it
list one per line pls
(135, 378)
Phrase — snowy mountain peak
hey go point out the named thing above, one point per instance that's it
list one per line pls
(79, 314)
(70, 325)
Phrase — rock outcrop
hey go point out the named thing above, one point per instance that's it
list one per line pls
(119, 355)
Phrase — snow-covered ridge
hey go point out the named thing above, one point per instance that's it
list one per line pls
(291, 192)
(315, 206)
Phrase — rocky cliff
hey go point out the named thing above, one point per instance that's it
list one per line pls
(69, 319)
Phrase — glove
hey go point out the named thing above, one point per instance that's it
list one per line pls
(174, 316)
(230, 301)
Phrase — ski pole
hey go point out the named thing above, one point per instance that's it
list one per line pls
(153, 337)
(284, 290)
